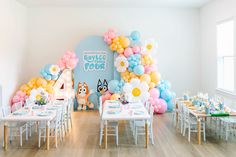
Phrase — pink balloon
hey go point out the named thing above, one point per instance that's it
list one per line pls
(148, 69)
(162, 106)
(136, 49)
(154, 93)
(128, 51)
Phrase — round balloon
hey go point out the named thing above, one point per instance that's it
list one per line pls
(139, 70)
(112, 86)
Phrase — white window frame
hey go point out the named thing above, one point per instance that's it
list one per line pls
(218, 89)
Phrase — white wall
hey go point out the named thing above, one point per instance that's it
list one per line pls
(53, 30)
(13, 20)
(210, 14)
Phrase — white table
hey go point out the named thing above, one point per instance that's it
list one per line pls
(127, 112)
(30, 116)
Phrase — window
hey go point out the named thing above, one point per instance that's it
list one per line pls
(225, 55)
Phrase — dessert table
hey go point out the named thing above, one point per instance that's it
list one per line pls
(35, 113)
(199, 116)
(115, 111)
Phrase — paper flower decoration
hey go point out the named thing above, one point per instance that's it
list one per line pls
(150, 46)
(50, 72)
(136, 91)
(69, 60)
(121, 63)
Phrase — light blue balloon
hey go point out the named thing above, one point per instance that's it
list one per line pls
(112, 85)
(54, 77)
(47, 68)
(135, 35)
(48, 77)
(166, 95)
(139, 70)
(170, 106)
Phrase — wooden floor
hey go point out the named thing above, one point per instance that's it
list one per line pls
(84, 136)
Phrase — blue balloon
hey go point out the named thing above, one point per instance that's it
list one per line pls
(170, 106)
(168, 85)
(48, 77)
(166, 95)
(139, 70)
(112, 85)
(135, 35)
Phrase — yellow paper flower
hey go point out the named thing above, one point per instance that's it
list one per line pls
(150, 46)
(54, 69)
(121, 63)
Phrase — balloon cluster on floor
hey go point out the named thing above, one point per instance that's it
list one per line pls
(50, 73)
(140, 80)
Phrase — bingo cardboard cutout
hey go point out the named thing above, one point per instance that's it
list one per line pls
(96, 63)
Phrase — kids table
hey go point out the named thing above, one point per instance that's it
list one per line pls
(125, 112)
(32, 115)
(199, 116)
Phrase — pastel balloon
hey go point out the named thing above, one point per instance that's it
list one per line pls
(162, 106)
(155, 77)
(151, 85)
(139, 70)
(146, 78)
(112, 85)
(154, 93)
(135, 35)
(136, 49)
(128, 51)
(166, 95)
(115, 97)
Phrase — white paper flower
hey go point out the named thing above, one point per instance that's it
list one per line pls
(150, 46)
(121, 63)
(54, 69)
(136, 91)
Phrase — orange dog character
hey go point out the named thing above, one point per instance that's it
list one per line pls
(82, 96)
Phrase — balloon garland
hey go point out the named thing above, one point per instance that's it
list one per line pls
(140, 80)
(50, 73)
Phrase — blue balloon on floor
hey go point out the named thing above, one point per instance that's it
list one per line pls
(166, 95)
(170, 106)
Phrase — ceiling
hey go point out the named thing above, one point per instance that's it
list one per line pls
(115, 3)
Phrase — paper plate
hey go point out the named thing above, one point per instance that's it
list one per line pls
(43, 114)
(113, 111)
(138, 112)
(17, 113)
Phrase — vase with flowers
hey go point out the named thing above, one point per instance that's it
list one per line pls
(40, 97)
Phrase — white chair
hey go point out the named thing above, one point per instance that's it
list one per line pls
(54, 128)
(190, 123)
(68, 116)
(178, 113)
(227, 126)
(139, 127)
(15, 128)
(112, 126)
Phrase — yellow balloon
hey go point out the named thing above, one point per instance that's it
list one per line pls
(115, 97)
(155, 78)
(145, 78)
(151, 85)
